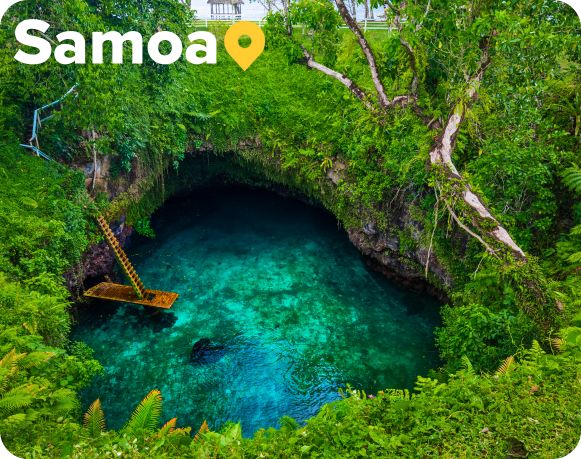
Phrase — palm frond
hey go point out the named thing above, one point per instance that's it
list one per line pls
(146, 415)
(505, 366)
(94, 419)
(203, 429)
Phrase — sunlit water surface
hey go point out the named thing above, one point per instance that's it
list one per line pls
(287, 301)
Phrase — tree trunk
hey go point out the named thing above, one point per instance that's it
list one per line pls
(452, 184)
(449, 183)
(352, 24)
(286, 8)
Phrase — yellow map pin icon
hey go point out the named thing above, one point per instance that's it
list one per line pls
(244, 57)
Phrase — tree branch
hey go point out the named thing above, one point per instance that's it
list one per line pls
(441, 158)
(348, 83)
(413, 64)
(411, 54)
(470, 232)
(392, 7)
(367, 51)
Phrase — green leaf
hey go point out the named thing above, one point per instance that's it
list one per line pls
(94, 419)
(29, 202)
(146, 415)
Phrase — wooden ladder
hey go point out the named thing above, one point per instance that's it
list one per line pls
(122, 258)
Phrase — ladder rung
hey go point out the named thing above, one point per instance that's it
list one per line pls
(122, 257)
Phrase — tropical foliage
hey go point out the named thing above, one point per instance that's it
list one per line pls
(511, 337)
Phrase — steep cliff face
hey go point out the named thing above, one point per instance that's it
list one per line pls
(97, 262)
(402, 261)
(383, 253)
(384, 249)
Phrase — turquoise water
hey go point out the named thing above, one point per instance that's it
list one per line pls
(288, 304)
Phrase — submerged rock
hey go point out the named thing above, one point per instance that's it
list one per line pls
(204, 352)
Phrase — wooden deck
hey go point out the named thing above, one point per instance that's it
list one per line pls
(126, 294)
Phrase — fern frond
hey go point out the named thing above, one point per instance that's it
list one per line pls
(16, 419)
(574, 258)
(467, 365)
(4, 375)
(11, 358)
(181, 431)
(556, 344)
(572, 178)
(35, 359)
(30, 328)
(505, 366)
(203, 429)
(536, 349)
(168, 427)
(10, 361)
(397, 394)
(64, 400)
(94, 419)
(146, 415)
(9, 367)
(18, 398)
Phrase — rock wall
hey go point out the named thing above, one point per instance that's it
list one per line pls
(98, 262)
(386, 254)
(382, 249)
(383, 254)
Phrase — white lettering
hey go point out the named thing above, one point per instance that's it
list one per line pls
(43, 46)
(77, 48)
(210, 48)
(175, 52)
(117, 41)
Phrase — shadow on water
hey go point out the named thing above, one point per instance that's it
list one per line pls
(153, 319)
(277, 311)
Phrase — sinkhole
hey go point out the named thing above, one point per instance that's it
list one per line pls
(282, 307)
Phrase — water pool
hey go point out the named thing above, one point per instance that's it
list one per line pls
(290, 308)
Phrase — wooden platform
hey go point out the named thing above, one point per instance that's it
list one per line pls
(126, 294)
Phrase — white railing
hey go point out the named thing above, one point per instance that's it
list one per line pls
(367, 25)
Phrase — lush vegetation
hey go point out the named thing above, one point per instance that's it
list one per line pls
(511, 340)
